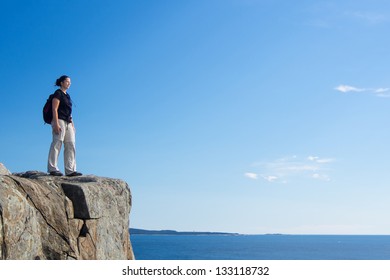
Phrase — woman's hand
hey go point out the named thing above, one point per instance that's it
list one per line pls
(55, 125)
(56, 128)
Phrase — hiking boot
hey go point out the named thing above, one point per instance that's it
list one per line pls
(74, 174)
(56, 173)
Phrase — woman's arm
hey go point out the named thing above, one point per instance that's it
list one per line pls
(55, 125)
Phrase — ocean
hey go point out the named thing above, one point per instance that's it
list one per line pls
(261, 247)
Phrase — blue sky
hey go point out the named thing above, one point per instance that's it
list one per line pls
(244, 116)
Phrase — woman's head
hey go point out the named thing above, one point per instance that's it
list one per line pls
(61, 80)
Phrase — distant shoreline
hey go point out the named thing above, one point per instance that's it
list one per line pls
(134, 231)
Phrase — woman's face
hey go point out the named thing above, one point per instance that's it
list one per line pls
(66, 83)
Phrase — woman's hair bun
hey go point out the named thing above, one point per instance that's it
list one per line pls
(60, 80)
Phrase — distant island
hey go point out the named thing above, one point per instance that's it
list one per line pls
(174, 232)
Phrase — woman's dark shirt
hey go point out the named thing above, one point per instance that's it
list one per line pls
(65, 108)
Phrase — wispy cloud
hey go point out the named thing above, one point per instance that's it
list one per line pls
(283, 170)
(322, 177)
(346, 88)
(380, 92)
(251, 175)
(368, 17)
(320, 160)
(269, 178)
(325, 14)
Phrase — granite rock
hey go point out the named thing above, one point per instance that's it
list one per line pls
(62, 218)
(4, 170)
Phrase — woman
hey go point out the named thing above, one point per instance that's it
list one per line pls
(63, 131)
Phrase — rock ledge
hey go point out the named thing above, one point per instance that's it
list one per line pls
(62, 218)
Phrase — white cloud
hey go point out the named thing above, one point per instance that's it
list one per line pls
(288, 168)
(322, 177)
(251, 175)
(312, 158)
(346, 88)
(380, 92)
(383, 92)
(298, 167)
(269, 178)
(320, 160)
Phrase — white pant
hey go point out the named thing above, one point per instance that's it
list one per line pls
(66, 136)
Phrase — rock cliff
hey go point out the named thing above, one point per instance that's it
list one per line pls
(62, 218)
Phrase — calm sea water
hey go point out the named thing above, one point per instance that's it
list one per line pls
(261, 247)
